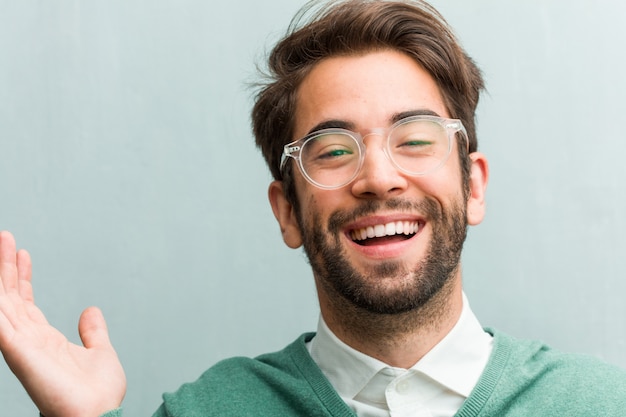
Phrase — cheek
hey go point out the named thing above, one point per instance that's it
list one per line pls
(446, 185)
(307, 204)
(312, 209)
(315, 202)
(439, 185)
(317, 207)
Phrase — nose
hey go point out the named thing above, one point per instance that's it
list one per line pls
(379, 177)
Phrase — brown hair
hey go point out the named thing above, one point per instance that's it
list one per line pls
(353, 27)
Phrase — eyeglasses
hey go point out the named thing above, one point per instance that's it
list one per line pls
(416, 145)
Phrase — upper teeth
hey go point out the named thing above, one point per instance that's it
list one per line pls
(389, 229)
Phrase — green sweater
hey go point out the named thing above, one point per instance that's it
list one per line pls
(522, 378)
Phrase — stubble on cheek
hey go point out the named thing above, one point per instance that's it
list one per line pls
(387, 287)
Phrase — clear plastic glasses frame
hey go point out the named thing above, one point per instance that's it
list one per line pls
(415, 145)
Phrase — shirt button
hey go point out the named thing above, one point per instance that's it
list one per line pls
(403, 387)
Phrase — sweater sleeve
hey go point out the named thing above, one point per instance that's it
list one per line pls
(113, 413)
(118, 413)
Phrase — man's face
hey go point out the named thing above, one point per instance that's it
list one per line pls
(396, 271)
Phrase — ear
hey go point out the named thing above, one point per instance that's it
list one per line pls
(285, 215)
(479, 175)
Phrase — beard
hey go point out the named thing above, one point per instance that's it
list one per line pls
(389, 287)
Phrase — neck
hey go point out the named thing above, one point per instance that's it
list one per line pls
(399, 340)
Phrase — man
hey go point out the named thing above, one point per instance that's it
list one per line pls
(367, 125)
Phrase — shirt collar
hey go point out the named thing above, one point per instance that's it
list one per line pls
(456, 362)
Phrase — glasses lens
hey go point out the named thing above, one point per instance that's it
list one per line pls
(330, 159)
(419, 146)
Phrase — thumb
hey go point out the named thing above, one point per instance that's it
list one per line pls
(93, 329)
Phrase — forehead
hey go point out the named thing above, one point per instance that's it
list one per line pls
(365, 91)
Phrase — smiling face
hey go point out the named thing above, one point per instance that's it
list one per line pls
(386, 242)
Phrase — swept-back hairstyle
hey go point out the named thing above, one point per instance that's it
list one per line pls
(353, 27)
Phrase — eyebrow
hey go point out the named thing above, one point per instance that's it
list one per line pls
(332, 124)
(418, 112)
(343, 124)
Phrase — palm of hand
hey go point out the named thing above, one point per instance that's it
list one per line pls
(62, 378)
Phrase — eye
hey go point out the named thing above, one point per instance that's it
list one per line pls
(417, 142)
(331, 148)
(335, 153)
(415, 147)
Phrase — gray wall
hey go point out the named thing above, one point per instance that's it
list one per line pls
(128, 169)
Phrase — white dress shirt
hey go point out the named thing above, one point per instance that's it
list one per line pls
(436, 386)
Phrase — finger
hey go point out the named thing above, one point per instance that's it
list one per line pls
(24, 275)
(8, 267)
(93, 329)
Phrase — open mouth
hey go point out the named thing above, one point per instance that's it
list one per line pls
(385, 233)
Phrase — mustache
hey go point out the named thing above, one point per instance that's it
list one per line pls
(426, 207)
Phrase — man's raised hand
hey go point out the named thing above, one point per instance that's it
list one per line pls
(63, 379)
